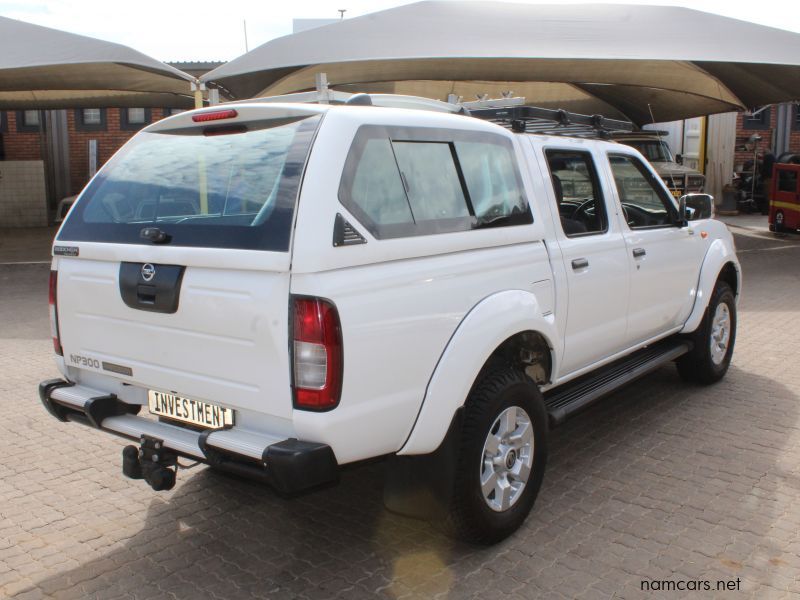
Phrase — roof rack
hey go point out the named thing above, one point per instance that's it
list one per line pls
(508, 111)
(647, 133)
(533, 119)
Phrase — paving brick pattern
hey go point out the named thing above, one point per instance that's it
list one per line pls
(662, 481)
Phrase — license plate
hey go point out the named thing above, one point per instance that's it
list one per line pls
(677, 193)
(187, 410)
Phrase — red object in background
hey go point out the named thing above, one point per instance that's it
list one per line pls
(784, 198)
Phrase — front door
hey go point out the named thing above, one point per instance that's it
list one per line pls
(664, 258)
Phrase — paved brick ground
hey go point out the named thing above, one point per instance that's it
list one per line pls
(661, 481)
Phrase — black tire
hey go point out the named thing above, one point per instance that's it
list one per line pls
(698, 365)
(470, 516)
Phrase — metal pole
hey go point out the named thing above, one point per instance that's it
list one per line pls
(202, 178)
(198, 93)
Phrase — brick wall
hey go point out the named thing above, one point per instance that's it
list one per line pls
(20, 145)
(767, 135)
(109, 141)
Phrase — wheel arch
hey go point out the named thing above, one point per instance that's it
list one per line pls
(529, 350)
(730, 275)
(507, 326)
(720, 264)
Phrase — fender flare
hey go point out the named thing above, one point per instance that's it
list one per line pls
(490, 322)
(718, 255)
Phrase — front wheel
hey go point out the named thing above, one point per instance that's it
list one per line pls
(713, 341)
(502, 457)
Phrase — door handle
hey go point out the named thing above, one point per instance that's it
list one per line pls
(580, 263)
(639, 252)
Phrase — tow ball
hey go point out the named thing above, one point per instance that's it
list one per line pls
(152, 462)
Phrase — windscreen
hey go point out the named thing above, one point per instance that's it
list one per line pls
(220, 187)
(652, 150)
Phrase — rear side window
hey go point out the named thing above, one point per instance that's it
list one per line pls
(581, 207)
(213, 187)
(403, 182)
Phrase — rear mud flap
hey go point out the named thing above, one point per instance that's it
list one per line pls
(422, 486)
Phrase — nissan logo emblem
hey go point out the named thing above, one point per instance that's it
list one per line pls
(148, 271)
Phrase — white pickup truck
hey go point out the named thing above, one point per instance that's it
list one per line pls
(280, 289)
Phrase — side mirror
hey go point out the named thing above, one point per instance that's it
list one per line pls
(692, 207)
(679, 159)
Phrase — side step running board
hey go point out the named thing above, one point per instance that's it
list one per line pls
(571, 397)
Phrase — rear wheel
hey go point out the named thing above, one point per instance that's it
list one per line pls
(713, 341)
(502, 457)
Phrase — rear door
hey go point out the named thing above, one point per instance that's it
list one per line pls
(595, 260)
(174, 263)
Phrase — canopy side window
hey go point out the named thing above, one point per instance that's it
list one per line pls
(403, 182)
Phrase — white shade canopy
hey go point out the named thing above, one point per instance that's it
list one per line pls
(47, 68)
(618, 60)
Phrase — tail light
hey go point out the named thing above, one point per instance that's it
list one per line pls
(317, 354)
(53, 302)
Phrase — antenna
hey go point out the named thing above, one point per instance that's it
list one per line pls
(661, 143)
(341, 12)
(246, 48)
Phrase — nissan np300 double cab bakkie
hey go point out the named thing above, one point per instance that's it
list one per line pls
(280, 289)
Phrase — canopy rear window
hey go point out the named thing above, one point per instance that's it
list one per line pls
(219, 187)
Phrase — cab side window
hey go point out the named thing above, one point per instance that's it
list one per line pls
(644, 202)
(581, 206)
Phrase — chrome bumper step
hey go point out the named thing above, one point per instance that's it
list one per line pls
(289, 465)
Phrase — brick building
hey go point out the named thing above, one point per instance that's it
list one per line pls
(50, 155)
(110, 128)
(777, 125)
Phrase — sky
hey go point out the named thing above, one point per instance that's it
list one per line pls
(201, 30)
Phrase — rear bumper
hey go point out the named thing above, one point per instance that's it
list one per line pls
(289, 465)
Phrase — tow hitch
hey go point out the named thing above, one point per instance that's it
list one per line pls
(152, 462)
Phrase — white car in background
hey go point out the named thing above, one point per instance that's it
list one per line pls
(678, 178)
